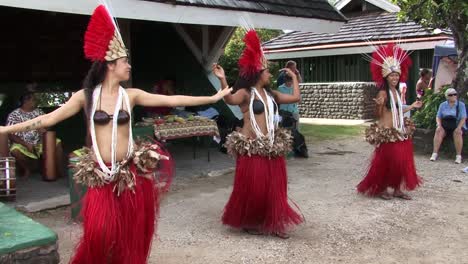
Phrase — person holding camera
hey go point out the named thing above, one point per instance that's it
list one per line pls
(292, 65)
(451, 119)
(292, 109)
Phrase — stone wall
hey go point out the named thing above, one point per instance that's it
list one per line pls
(36, 255)
(348, 100)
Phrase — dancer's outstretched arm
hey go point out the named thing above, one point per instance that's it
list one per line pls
(143, 98)
(70, 108)
(415, 105)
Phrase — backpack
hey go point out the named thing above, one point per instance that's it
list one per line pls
(299, 144)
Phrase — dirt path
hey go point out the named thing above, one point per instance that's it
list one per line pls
(341, 227)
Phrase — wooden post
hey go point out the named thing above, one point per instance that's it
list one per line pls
(49, 171)
(4, 150)
(413, 77)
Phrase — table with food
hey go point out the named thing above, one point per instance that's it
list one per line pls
(172, 127)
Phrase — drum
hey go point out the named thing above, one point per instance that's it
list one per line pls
(49, 168)
(7, 178)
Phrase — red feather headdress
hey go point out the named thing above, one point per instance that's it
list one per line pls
(252, 60)
(102, 41)
(388, 59)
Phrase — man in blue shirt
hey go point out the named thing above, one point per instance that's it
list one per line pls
(293, 66)
(287, 88)
(448, 110)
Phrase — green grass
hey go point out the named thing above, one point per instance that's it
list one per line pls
(329, 132)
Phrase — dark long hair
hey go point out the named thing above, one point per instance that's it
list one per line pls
(247, 83)
(95, 76)
(387, 89)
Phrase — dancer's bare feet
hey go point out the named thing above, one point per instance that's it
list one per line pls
(401, 195)
(385, 195)
(255, 232)
(252, 231)
(282, 235)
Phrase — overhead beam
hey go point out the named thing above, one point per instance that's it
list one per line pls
(153, 11)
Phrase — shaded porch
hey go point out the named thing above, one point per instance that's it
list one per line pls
(34, 194)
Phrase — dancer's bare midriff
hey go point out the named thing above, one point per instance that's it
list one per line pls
(385, 119)
(384, 114)
(247, 129)
(105, 141)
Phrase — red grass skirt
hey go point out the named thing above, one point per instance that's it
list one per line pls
(120, 229)
(259, 199)
(392, 166)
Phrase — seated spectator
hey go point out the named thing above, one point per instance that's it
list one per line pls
(450, 120)
(26, 147)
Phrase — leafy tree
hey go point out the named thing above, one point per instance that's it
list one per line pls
(50, 99)
(235, 47)
(451, 14)
(426, 116)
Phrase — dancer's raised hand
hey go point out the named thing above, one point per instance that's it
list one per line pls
(218, 71)
(289, 72)
(417, 104)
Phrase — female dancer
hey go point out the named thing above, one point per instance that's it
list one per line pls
(121, 204)
(259, 201)
(393, 162)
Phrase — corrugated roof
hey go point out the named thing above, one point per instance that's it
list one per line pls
(319, 9)
(374, 26)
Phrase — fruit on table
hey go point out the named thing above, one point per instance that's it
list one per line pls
(170, 120)
(169, 117)
(190, 118)
(201, 118)
(159, 121)
(179, 119)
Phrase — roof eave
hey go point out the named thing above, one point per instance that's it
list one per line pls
(383, 4)
(357, 44)
(341, 18)
(163, 12)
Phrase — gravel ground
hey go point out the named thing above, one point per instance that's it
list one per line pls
(341, 226)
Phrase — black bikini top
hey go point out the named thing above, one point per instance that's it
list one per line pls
(103, 118)
(258, 107)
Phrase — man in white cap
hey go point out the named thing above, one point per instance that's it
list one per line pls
(450, 120)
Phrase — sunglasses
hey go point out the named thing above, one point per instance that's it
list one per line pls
(452, 95)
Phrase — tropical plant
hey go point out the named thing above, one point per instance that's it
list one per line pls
(426, 116)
